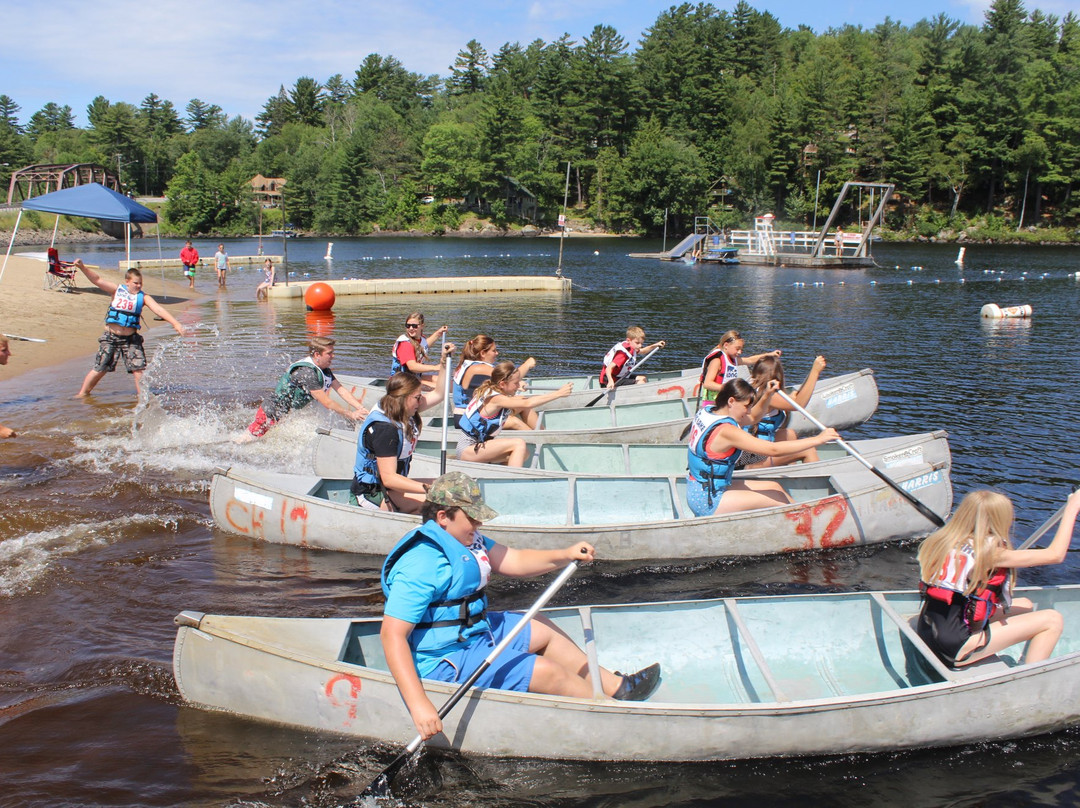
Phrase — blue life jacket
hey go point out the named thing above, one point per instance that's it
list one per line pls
(461, 611)
(461, 395)
(768, 426)
(712, 473)
(125, 308)
(478, 427)
(366, 468)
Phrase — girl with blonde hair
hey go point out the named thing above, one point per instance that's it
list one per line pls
(967, 570)
(496, 405)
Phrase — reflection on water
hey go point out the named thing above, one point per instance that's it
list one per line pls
(105, 532)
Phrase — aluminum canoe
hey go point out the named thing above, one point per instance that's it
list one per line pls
(625, 518)
(661, 385)
(841, 401)
(334, 455)
(792, 675)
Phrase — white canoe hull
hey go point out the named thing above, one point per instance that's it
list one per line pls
(744, 678)
(625, 518)
(841, 402)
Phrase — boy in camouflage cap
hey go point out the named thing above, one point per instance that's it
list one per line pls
(436, 624)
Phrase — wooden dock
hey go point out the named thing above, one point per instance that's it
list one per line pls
(429, 286)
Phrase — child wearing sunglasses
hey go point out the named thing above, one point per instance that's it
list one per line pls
(411, 350)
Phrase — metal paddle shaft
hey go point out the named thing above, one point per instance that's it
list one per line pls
(24, 339)
(847, 447)
(627, 379)
(380, 786)
(1043, 529)
(445, 407)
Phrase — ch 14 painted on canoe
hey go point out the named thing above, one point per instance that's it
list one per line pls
(625, 518)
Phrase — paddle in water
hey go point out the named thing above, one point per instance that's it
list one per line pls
(626, 379)
(380, 786)
(847, 447)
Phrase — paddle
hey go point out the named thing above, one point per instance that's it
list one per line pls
(24, 339)
(1043, 529)
(625, 379)
(919, 506)
(445, 407)
(380, 786)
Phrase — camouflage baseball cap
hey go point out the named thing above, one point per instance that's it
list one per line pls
(457, 490)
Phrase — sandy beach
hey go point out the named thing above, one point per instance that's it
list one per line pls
(71, 322)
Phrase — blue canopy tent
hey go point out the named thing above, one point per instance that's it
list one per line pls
(93, 201)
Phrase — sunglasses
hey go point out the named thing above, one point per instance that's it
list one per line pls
(412, 325)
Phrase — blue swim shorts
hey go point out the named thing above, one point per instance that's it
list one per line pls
(511, 670)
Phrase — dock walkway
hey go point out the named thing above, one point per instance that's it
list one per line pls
(205, 262)
(421, 286)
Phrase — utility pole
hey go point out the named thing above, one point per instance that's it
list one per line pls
(562, 235)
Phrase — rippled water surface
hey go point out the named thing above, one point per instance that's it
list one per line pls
(105, 533)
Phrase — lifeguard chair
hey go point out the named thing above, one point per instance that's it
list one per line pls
(59, 274)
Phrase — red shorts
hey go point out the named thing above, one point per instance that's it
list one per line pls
(261, 425)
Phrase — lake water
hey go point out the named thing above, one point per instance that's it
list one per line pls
(105, 533)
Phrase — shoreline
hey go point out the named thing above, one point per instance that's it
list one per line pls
(39, 238)
(71, 322)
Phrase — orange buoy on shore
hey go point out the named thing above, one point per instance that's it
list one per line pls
(996, 312)
(320, 297)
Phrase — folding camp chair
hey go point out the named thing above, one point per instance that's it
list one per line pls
(60, 274)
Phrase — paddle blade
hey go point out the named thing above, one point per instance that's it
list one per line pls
(380, 786)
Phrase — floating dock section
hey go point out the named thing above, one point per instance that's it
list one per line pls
(429, 286)
(823, 249)
(205, 262)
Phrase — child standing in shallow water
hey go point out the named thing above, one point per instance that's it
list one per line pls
(189, 257)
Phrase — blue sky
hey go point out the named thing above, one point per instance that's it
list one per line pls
(236, 53)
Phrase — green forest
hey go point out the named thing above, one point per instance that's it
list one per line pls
(718, 113)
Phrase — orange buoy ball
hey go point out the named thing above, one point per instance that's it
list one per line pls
(320, 297)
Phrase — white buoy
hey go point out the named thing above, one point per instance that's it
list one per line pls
(329, 251)
(993, 311)
(960, 256)
(595, 252)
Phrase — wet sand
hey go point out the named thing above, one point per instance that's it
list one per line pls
(70, 322)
